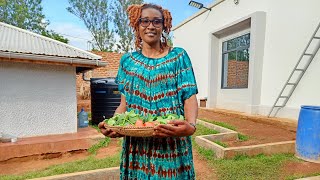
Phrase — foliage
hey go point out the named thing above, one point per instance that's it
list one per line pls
(96, 18)
(258, 167)
(203, 130)
(221, 144)
(131, 118)
(27, 14)
(222, 124)
(102, 143)
(121, 23)
(53, 35)
(242, 137)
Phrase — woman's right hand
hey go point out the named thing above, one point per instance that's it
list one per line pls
(108, 132)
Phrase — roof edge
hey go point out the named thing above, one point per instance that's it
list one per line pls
(68, 60)
(49, 39)
(197, 14)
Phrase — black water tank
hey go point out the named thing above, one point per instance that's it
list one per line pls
(105, 98)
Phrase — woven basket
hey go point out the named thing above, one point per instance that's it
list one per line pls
(132, 130)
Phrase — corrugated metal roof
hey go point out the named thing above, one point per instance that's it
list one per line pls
(17, 40)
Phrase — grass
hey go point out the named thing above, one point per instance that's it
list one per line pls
(221, 144)
(242, 137)
(295, 176)
(102, 143)
(90, 163)
(203, 130)
(257, 167)
(246, 168)
(222, 124)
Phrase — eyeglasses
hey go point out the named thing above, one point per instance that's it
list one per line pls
(157, 23)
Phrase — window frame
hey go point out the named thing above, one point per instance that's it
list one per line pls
(234, 36)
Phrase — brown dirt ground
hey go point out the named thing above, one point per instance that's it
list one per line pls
(299, 168)
(22, 165)
(258, 133)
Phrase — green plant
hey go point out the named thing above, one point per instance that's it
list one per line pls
(203, 130)
(222, 124)
(221, 144)
(102, 143)
(257, 167)
(242, 137)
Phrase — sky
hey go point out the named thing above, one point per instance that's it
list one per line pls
(71, 27)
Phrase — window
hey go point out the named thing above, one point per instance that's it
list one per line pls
(235, 62)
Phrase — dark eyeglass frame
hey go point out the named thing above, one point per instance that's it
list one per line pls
(151, 21)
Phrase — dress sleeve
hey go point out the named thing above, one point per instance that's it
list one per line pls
(187, 85)
(121, 75)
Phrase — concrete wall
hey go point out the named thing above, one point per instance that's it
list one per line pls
(37, 99)
(279, 33)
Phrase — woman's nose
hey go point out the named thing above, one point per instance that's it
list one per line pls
(151, 26)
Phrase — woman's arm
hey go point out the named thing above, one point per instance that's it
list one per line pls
(121, 109)
(191, 109)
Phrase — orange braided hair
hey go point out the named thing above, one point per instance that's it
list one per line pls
(134, 13)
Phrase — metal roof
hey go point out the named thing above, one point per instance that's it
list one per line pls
(17, 40)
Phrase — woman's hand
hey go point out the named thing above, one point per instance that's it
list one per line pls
(176, 128)
(108, 132)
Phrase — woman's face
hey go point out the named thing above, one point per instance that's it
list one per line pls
(150, 26)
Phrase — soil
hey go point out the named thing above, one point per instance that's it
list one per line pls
(259, 133)
(299, 168)
(33, 163)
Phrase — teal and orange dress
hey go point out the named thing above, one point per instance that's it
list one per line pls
(156, 86)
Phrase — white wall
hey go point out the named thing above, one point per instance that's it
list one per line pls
(288, 27)
(37, 99)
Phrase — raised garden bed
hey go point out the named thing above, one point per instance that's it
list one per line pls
(227, 135)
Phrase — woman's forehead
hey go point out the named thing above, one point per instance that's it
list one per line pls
(151, 13)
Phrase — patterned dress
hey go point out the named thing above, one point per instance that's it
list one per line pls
(156, 86)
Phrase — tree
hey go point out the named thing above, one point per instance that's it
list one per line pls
(53, 35)
(121, 23)
(27, 14)
(94, 14)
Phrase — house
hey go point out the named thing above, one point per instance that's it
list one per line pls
(38, 83)
(244, 51)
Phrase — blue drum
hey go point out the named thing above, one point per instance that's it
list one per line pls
(308, 134)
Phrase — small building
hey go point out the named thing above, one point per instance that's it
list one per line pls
(243, 52)
(38, 83)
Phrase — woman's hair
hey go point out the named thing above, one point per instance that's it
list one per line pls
(134, 14)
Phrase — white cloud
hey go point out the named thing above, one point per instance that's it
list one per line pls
(78, 36)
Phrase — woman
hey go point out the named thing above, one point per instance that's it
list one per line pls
(156, 80)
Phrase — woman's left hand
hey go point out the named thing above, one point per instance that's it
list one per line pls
(175, 128)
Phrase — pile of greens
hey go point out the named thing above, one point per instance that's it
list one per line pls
(130, 118)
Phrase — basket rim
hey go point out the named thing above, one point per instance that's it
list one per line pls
(130, 127)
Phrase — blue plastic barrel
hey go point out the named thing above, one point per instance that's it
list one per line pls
(308, 134)
(83, 119)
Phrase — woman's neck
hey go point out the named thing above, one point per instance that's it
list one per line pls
(152, 51)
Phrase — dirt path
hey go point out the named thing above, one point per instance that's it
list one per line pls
(202, 168)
